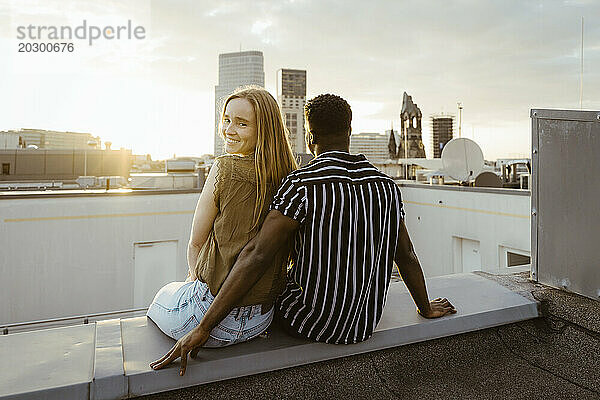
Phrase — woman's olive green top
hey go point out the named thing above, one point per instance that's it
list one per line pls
(235, 197)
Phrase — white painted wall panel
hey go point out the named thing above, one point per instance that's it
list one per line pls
(493, 218)
(75, 255)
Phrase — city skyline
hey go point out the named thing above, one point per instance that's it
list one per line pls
(157, 95)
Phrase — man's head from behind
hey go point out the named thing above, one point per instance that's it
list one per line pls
(328, 119)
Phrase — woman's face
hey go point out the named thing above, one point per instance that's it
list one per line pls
(239, 127)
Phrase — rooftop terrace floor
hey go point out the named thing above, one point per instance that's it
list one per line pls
(554, 356)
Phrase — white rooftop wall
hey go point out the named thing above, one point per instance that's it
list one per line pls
(65, 256)
(456, 229)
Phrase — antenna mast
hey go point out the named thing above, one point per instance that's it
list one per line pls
(460, 108)
(581, 72)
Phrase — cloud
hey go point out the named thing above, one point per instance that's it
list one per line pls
(499, 58)
(259, 27)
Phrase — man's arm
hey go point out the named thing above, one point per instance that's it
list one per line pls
(412, 274)
(251, 264)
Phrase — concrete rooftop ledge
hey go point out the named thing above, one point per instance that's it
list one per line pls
(110, 360)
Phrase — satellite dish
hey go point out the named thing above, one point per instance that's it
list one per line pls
(462, 159)
(488, 179)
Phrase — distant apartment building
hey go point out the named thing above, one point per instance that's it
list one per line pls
(19, 165)
(45, 139)
(441, 133)
(10, 140)
(235, 69)
(291, 95)
(372, 144)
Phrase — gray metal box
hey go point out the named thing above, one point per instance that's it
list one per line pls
(565, 200)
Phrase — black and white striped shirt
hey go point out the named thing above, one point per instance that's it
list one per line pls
(349, 214)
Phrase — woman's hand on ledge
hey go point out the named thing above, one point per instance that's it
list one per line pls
(438, 308)
(190, 343)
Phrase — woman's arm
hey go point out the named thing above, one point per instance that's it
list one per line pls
(204, 216)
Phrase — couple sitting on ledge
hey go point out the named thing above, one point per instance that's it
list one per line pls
(312, 247)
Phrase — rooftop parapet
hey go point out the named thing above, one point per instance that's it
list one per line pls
(110, 360)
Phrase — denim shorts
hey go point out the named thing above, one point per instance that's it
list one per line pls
(178, 308)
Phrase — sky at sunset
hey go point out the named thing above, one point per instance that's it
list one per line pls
(156, 95)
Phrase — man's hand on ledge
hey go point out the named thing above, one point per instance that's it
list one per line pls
(189, 343)
(438, 308)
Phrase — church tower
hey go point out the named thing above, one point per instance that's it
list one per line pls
(411, 143)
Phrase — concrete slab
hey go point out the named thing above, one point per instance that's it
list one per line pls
(109, 377)
(481, 304)
(51, 364)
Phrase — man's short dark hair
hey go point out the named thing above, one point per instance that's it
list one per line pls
(328, 116)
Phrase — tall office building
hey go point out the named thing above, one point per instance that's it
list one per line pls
(291, 95)
(441, 133)
(235, 69)
(372, 144)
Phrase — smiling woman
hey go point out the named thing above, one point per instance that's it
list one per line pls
(239, 127)
(231, 209)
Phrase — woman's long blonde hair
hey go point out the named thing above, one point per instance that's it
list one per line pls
(273, 154)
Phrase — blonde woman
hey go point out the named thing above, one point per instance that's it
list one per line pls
(230, 211)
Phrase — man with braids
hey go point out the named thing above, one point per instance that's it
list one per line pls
(346, 221)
